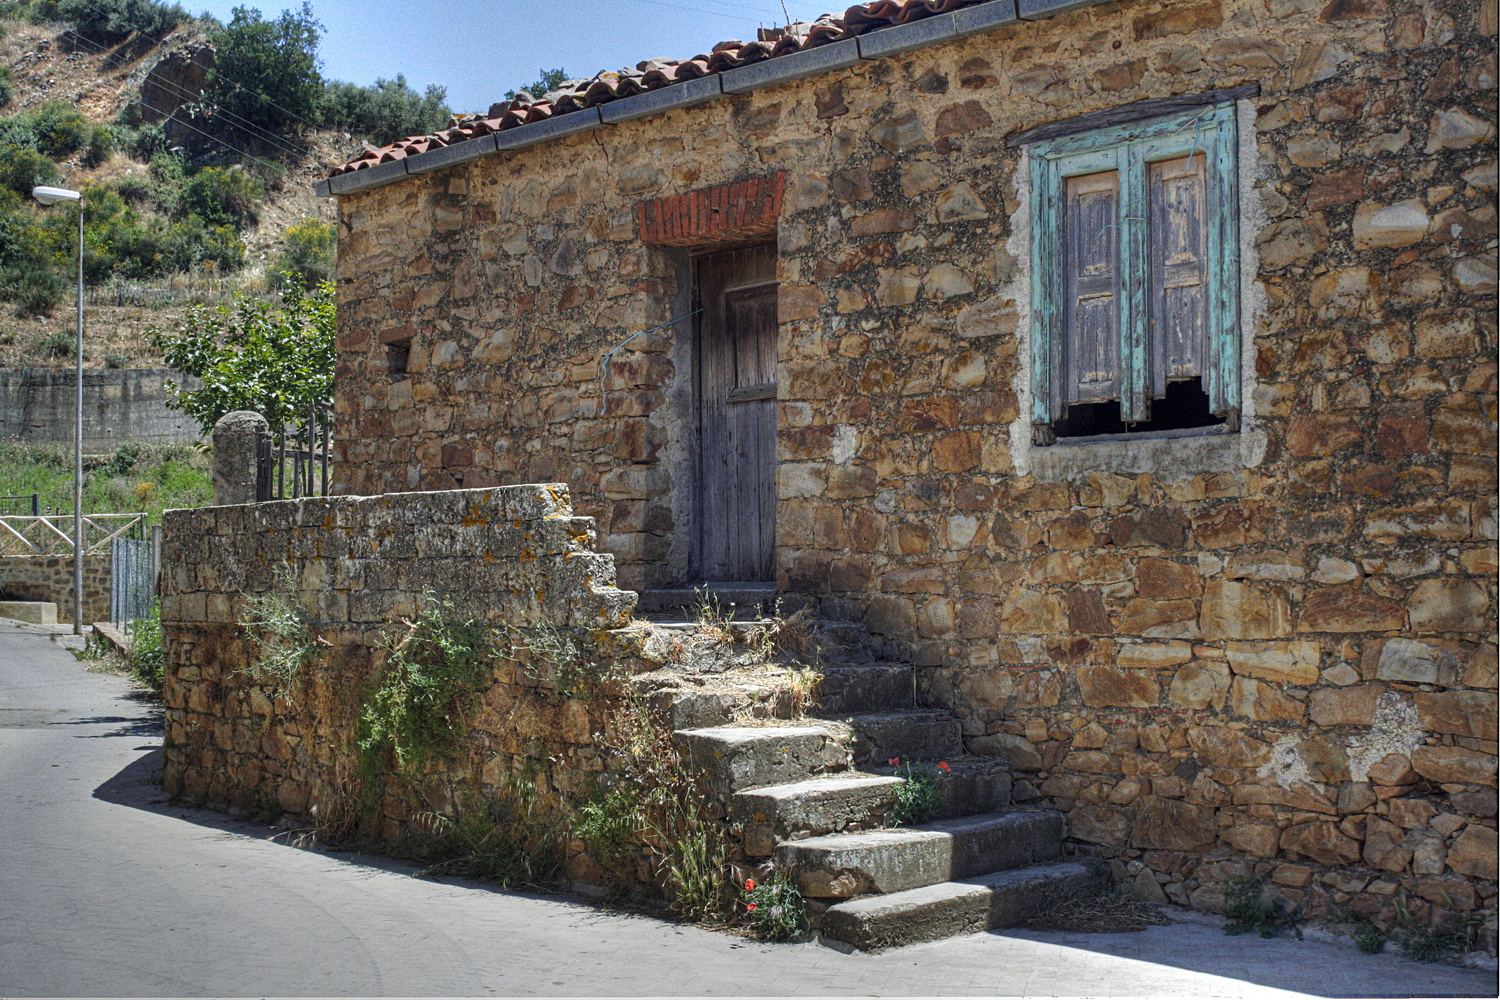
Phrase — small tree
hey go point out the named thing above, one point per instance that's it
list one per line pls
(255, 356)
(547, 80)
(308, 260)
(266, 72)
(385, 112)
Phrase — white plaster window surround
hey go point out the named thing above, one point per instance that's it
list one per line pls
(1172, 455)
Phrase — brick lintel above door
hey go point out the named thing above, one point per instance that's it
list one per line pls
(725, 213)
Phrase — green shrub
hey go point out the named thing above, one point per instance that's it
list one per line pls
(222, 196)
(279, 632)
(147, 656)
(136, 190)
(547, 80)
(60, 129)
(7, 84)
(57, 344)
(35, 292)
(421, 700)
(918, 795)
(23, 168)
(382, 113)
(101, 145)
(308, 260)
(773, 908)
(144, 142)
(1248, 909)
(118, 18)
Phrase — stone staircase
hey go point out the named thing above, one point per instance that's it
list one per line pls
(817, 797)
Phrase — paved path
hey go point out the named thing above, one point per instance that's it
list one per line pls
(106, 890)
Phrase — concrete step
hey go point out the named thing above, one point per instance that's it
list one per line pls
(804, 809)
(863, 687)
(928, 913)
(909, 735)
(738, 757)
(884, 861)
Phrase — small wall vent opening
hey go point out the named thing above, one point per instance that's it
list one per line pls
(397, 354)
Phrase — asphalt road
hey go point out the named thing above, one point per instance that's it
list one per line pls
(108, 890)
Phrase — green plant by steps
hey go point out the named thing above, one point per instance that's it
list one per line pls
(279, 631)
(773, 908)
(422, 698)
(1248, 909)
(658, 805)
(791, 636)
(147, 659)
(711, 618)
(919, 794)
(1370, 939)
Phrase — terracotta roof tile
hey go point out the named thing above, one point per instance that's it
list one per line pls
(653, 74)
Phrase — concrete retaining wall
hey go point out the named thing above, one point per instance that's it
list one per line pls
(36, 405)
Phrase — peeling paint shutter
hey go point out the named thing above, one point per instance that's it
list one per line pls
(1178, 280)
(1091, 328)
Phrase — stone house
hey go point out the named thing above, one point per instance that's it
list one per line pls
(1131, 367)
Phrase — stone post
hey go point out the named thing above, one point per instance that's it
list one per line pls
(235, 436)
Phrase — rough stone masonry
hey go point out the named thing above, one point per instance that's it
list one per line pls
(1274, 652)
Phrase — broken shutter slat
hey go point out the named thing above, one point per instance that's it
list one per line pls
(1091, 302)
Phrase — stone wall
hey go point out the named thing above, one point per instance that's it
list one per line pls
(50, 578)
(119, 406)
(507, 557)
(1272, 648)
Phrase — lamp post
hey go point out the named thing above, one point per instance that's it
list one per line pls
(51, 196)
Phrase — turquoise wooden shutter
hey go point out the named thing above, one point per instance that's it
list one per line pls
(1091, 368)
(1177, 283)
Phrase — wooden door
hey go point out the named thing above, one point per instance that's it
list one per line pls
(735, 527)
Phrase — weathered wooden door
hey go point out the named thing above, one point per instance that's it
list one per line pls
(735, 527)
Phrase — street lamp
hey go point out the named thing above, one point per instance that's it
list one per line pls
(51, 196)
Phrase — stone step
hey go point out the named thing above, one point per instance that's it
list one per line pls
(908, 735)
(862, 687)
(805, 809)
(734, 758)
(928, 913)
(842, 642)
(730, 599)
(844, 865)
(970, 785)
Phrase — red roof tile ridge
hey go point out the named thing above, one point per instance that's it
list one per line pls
(654, 74)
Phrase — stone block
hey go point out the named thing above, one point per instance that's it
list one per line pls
(1279, 662)
(1111, 687)
(1201, 684)
(1454, 764)
(1172, 825)
(1239, 611)
(1474, 853)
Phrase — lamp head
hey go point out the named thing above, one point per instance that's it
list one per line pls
(52, 195)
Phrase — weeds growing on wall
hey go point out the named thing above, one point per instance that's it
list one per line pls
(421, 700)
(1430, 943)
(511, 838)
(1368, 937)
(279, 630)
(659, 804)
(919, 794)
(1248, 909)
(556, 656)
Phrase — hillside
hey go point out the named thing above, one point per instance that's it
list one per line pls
(102, 79)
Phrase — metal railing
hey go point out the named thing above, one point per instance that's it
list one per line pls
(23, 504)
(47, 535)
(292, 459)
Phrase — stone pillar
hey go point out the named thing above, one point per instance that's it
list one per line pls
(235, 436)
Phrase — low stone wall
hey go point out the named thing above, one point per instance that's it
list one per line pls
(509, 557)
(50, 578)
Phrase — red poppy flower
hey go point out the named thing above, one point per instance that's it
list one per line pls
(894, 762)
(749, 885)
(750, 906)
(943, 766)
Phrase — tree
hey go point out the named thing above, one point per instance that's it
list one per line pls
(266, 73)
(385, 112)
(118, 18)
(311, 247)
(547, 80)
(276, 361)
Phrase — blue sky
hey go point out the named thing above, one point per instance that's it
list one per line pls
(480, 50)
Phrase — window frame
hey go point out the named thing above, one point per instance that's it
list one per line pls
(1209, 130)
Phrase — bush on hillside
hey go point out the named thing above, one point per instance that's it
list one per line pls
(22, 169)
(385, 112)
(118, 18)
(7, 85)
(309, 256)
(266, 73)
(101, 145)
(222, 196)
(55, 128)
